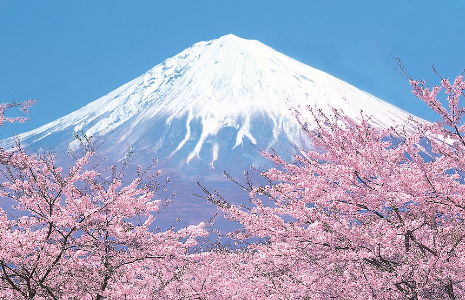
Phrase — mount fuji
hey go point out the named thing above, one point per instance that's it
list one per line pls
(210, 108)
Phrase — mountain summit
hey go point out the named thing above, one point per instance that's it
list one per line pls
(214, 99)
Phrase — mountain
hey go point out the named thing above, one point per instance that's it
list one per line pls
(211, 107)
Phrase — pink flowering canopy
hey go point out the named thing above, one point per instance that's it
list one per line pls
(367, 213)
(73, 234)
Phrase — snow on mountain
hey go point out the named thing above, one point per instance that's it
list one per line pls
(210, 108)
(210, 99)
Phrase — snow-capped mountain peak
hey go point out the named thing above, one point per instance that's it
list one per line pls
(210, 99)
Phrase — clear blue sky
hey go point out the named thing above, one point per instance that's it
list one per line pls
(69, 53)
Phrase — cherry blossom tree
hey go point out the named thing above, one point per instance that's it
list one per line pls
(368, 213)
(80, 235)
